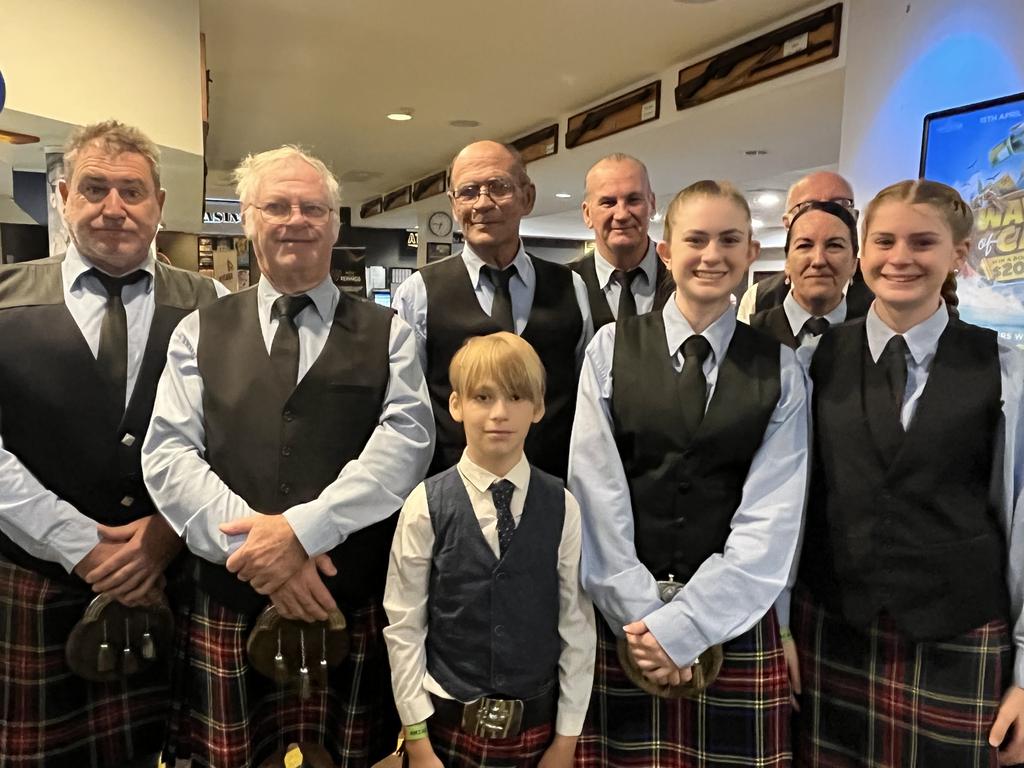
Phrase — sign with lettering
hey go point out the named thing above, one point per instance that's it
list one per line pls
(222, 217)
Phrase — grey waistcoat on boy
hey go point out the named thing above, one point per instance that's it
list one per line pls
(493, 623)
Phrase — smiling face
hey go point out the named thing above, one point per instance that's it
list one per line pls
(618, 207)
(112, 207)
(496, 424)
(909, 250)
(295, 255)
(820, 261)
(708, 250)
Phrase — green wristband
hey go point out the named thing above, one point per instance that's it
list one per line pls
(416, 731)
(784, 633)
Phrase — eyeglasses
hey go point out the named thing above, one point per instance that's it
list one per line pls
(496, 189)
(280, 212)
(843, 202)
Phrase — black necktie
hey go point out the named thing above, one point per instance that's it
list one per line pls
(815, 326)
(284, 351)
(501, 307)
(113, 351)
(627, 301)
(894, 362)
(693, 385)
(501, 492)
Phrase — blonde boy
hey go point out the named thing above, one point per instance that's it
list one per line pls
(491, 638)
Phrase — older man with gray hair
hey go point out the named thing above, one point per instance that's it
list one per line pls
(291, 422)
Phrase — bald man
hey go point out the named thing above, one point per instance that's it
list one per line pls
(624, 275)
(822, 186)
(495, 285)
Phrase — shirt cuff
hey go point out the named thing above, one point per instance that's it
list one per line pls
(782, 607)
(680, 638)
(74, 541)
(569, 722)
(415, 709)
(1018, 668)
(312, 526)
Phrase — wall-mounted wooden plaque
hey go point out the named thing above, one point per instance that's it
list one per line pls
(628, 111)
(542, 143)
(434, 184)
(398, 198)
(371, 208)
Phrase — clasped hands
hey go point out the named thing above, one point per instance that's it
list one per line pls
(651, 659)
(275, 564)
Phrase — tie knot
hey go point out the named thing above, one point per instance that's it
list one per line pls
(815, 326)
(113, 285)
(501, 277)
(625, 279)
(290, 306)
(502, 490)
(696, 348)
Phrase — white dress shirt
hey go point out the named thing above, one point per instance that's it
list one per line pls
(644, 285)
(405, 599)
(731, 591)
(411, 299)
(195, 501)
(32, 516)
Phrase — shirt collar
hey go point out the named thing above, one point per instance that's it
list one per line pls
(76, 264)
(524, 267)
(481, 478)
(921, 340)
(678, 330)
(797, 315)
(324, 295)
(648, 265)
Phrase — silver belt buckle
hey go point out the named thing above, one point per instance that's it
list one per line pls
(493, 718)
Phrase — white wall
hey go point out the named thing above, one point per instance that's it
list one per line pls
(78, 62)
(906, 58)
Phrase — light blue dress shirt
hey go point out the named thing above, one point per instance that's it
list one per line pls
(411, 299)
(643, 287)
(195, 501)
(797, 316)
(731, 591)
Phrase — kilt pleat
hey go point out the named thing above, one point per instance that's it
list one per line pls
(741, 720)
(873, 698)
(50, 717)
(229, 715)
(456, 749)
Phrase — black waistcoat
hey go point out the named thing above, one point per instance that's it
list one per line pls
(685, 489)
(775, 322)
(493, 624)
(278, 446)
(553, 329)
(601, 313)
(56, 413)
(908, 530)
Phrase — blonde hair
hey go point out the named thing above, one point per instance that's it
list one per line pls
(705, 188)
(504, 358)
(945, 200)
(115, 138)
(251, 170)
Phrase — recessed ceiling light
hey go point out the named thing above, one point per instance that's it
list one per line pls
(463, 123)
(756, 223)
(562, 195)
(401, 115)
(694, 2)
(768, 199)
(755, 152)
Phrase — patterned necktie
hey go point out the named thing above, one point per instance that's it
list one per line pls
(284, 351)
(501, 492)
(894, 361)
(501, 307)
(692, 383)
(627, 301)
(113, 351)
(815, 326)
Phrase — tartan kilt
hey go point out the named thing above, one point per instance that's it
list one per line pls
(50, 717)
(228, 715)
(457, 749)
(741, 720)
(871, 697)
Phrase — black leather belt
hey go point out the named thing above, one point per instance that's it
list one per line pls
(496, 718)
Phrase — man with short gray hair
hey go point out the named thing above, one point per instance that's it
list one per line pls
(83, 341)
(291, 422)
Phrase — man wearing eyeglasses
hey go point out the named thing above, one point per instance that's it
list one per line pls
(820, 186)
(291, 422)
(495, 285)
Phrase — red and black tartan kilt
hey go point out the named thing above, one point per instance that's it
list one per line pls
(231, 716)
(457, 749)
(50, 717)
(741, 720)
(874, 698)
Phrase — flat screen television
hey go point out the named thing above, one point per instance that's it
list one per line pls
(382, 297)
(979, 150)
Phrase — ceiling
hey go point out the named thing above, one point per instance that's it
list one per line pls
(324, 73)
